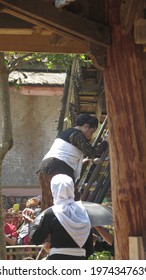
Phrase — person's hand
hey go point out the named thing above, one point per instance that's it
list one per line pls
(28, 215)
(86, 160)
(106, 136)
(96, 160)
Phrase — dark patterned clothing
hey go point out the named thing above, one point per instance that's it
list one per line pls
(77, 139)
(56, 166)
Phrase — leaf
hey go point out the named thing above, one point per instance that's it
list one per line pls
(104, 255)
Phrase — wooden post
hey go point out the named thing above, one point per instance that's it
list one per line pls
(125, 89)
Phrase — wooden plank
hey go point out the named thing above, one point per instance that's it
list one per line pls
(89, 98)
(128, 10)
(140, 31)
(89, 80)
(64, 21)
(37, 22)
(98, 14)
(24, 31)
(89, 87)
(39, 43)
(8, 21)
(88, 92)
(136, 248)
(88, 108)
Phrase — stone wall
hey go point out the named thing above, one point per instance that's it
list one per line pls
(34, 122)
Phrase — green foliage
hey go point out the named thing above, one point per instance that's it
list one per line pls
(104, 255)
(63, 61)
(59, 62)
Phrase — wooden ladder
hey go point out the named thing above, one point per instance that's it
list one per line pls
(95, 179)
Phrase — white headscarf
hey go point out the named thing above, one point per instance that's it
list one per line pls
(72, 215)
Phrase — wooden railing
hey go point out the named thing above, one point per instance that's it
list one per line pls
(20, 252)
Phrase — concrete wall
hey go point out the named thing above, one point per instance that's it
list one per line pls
(34, 121)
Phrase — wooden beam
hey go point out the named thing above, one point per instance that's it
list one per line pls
(36, 22)
(140, 31)
(8, 21)
(88, 107)
(88, 98)
(64, 21)
(98, 55)
(39, 43)
(24, 31)
(128, 10)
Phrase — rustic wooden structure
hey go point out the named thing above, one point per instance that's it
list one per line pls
(83, 93)
(20, 252)
(113, 34)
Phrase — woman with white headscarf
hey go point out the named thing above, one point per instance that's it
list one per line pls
(66, 222)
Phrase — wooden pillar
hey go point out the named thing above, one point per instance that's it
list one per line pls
(125, 88)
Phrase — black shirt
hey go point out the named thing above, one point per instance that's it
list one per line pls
(59, 238)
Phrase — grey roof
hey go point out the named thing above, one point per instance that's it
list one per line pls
(33, 78)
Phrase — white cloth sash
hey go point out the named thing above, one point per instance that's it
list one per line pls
(68, 251)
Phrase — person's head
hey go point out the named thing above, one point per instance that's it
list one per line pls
(11, 200)
(32, 203)
(3, 200)
(9, 217)
(62, 188)
(23, 202)
(17, 219)
(87, 124)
